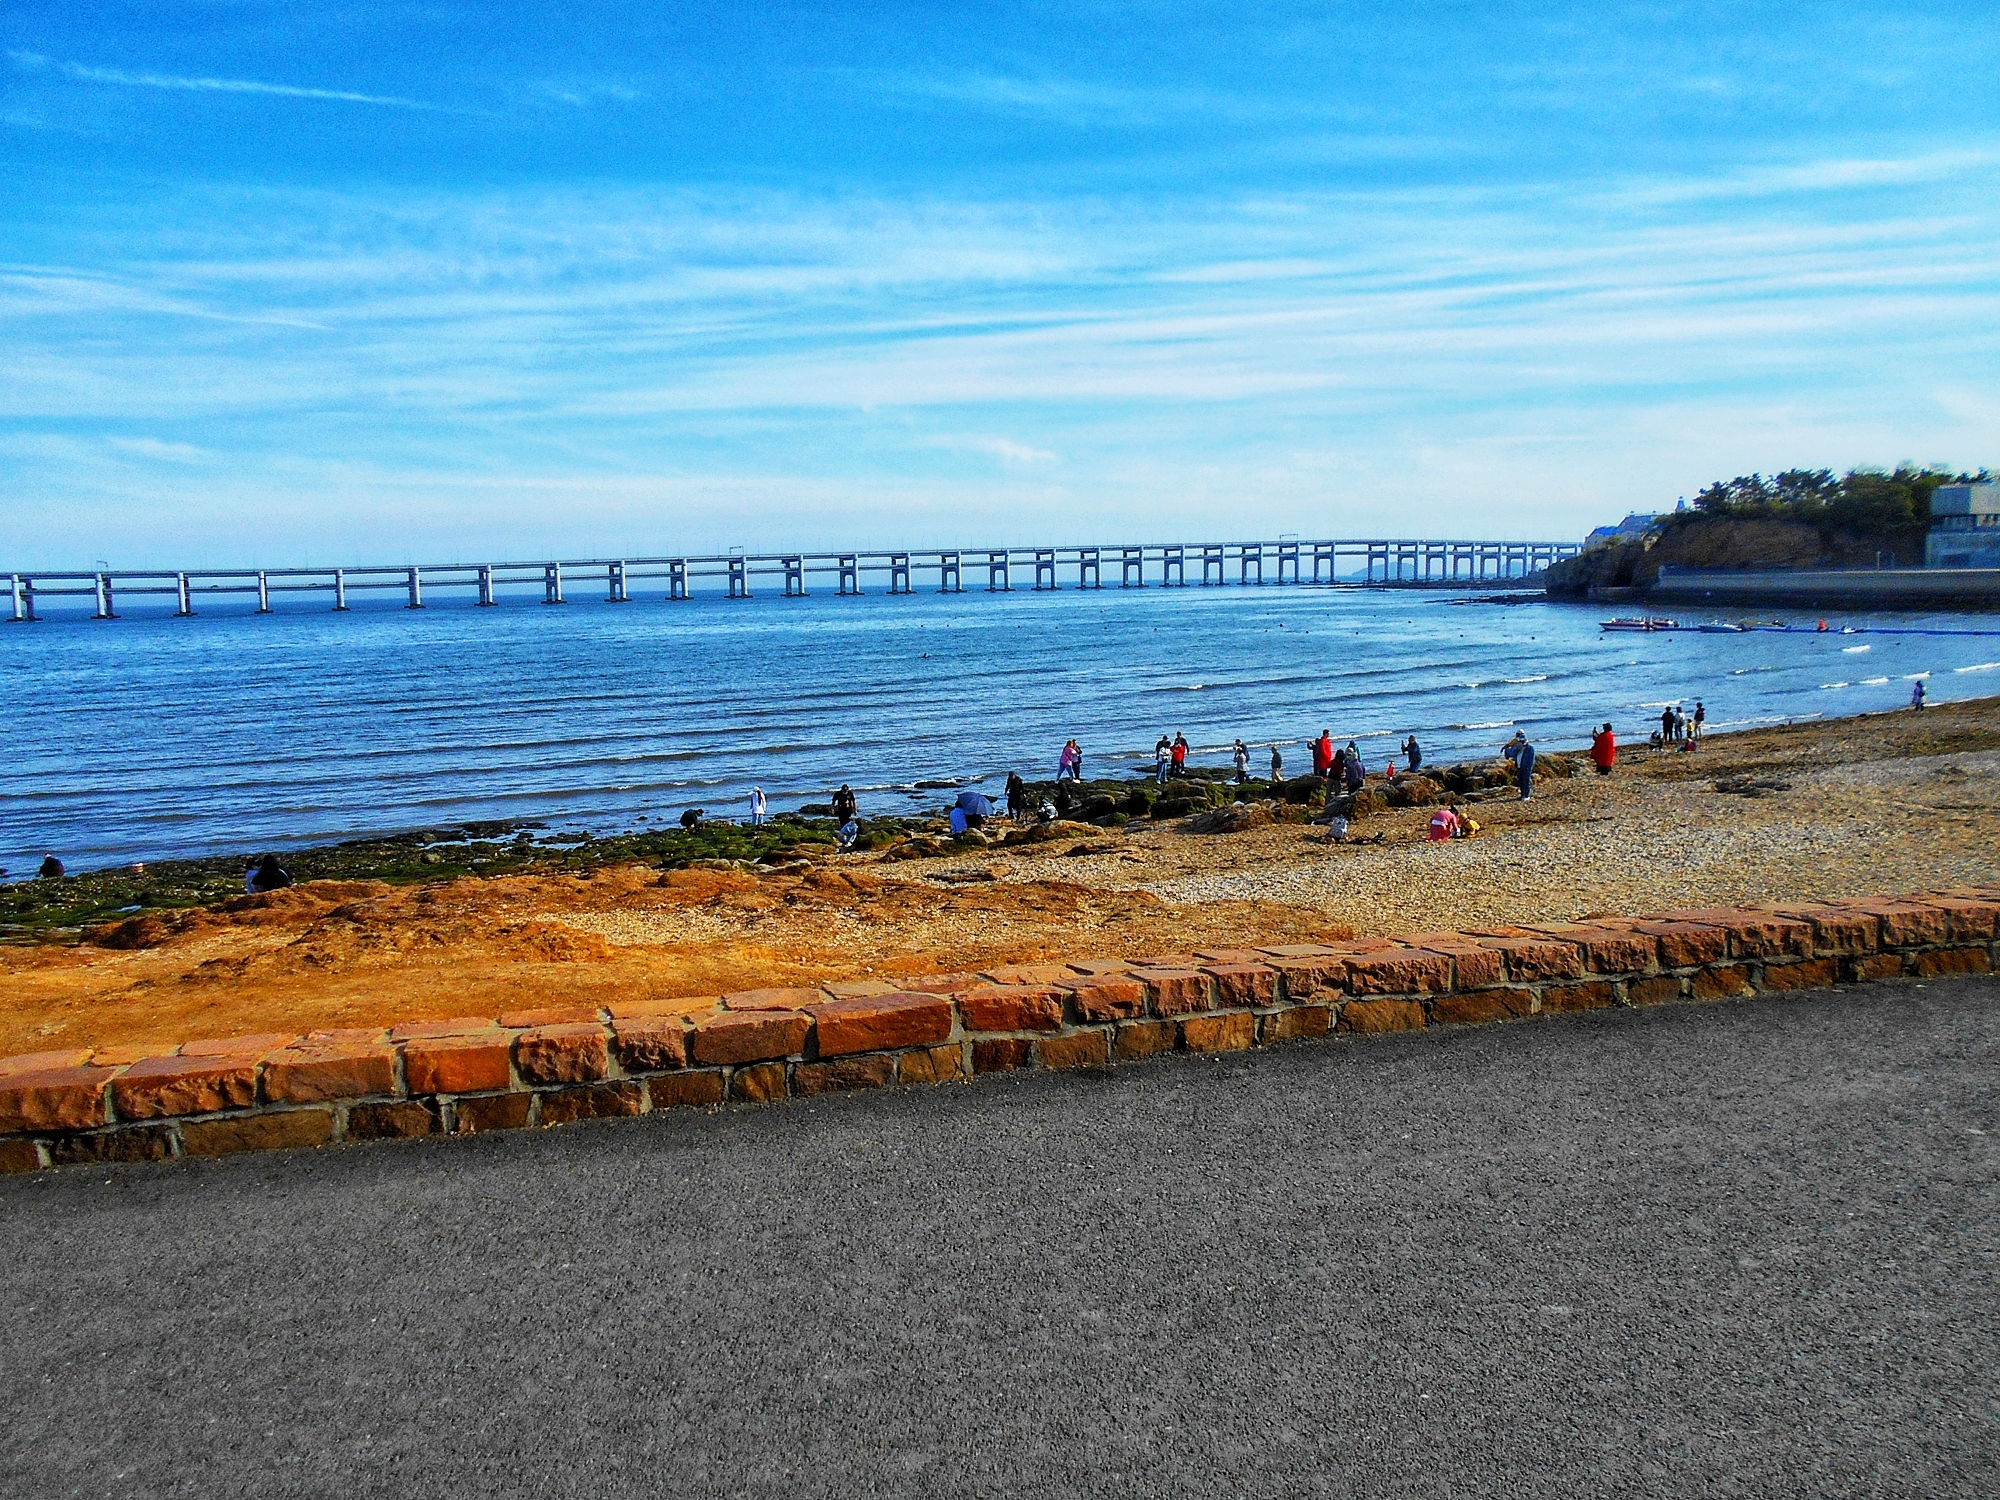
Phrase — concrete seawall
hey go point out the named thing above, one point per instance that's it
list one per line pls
(1885, 588)
(550, 1067)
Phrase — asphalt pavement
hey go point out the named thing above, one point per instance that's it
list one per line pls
(1734, 1249)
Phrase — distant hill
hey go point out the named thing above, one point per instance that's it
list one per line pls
(1802, 518)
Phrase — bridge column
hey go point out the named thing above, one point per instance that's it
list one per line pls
(104, 610)
(677, 578)
(16, 617)
(850, 573)
(416, 589)
(899, 573)
(1324, 554)
(739, 577)
(614, 584)
(1088, 574)
(1173, 567)
(1246, 559)
(1211, 557)
(552, 584)
(339, 590)
(1288, 552)
(28, 599)
(1045, 567)
(183, 596)
(948, 574)
(263, 592)
(1132, 567)
(486, 585)
(795, 577)
(996, 574)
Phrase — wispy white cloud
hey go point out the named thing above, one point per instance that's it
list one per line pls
(84, 73)
(1005, 449)
(1249, 353)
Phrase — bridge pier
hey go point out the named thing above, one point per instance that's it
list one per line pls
(614, 584)
(416, 589)
(739, 577)
(263, 592)
(1045, 567)
(1288, 552)
(996, 574)
(1327, 555)
(1132, 562)
(677, 578)
(484, 578)
(948, 574)
(795, 577)
(1088, 574)
(1246, 559)
(103, 586)
(17, 617)
(1173, 567)
(850, 574)
(183, 596)
(899, 573)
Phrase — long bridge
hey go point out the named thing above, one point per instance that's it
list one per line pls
(1371, 563)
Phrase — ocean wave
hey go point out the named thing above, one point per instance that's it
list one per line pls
(1873, 681)
(1496, 724)
(1851, 650)
(1829, 686)
(1544, 677)
(1984, 666)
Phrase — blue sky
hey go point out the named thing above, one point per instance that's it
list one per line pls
(286, 283)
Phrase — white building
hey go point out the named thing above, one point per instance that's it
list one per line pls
(1965, 526)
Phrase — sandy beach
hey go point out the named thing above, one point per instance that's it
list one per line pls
(1877, 803)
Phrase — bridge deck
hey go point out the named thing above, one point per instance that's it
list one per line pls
(1379, 562)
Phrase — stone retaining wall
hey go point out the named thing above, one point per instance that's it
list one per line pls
(551, 1067)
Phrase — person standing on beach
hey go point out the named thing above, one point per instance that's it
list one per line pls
(1522, 754)
(1357, 773)
(1667, 725)
(1066, 762)
(758, 807)
(1414, 752)
(1017, 795)
(1242, 761)
(1323, 754)
(1277, 765)
(1700, 716)
(1163, 757)
(1917, 696)
(1180, 753)
(1604, 750)
(845, 805)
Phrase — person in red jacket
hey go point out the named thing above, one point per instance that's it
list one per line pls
(1604, 750)
(1323, 753)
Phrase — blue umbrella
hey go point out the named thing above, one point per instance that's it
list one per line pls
(974, 805)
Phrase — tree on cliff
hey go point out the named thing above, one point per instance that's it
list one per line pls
(1863, 505)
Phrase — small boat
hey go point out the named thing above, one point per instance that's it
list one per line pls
(1719, 627)
(1648, 622)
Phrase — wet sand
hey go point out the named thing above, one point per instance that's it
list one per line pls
(1878, 803)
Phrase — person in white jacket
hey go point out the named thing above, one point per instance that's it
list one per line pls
(758, 807)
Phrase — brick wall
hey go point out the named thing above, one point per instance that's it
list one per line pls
(550, 1067)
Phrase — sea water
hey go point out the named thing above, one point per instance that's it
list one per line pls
(150, 737)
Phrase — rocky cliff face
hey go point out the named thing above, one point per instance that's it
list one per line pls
(1719, 543)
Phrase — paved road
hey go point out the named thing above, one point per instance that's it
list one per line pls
(1743, 1249)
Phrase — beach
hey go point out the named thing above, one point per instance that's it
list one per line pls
(1863, 805)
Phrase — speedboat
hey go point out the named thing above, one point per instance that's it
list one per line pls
(1648, 622)
(1719, 627)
